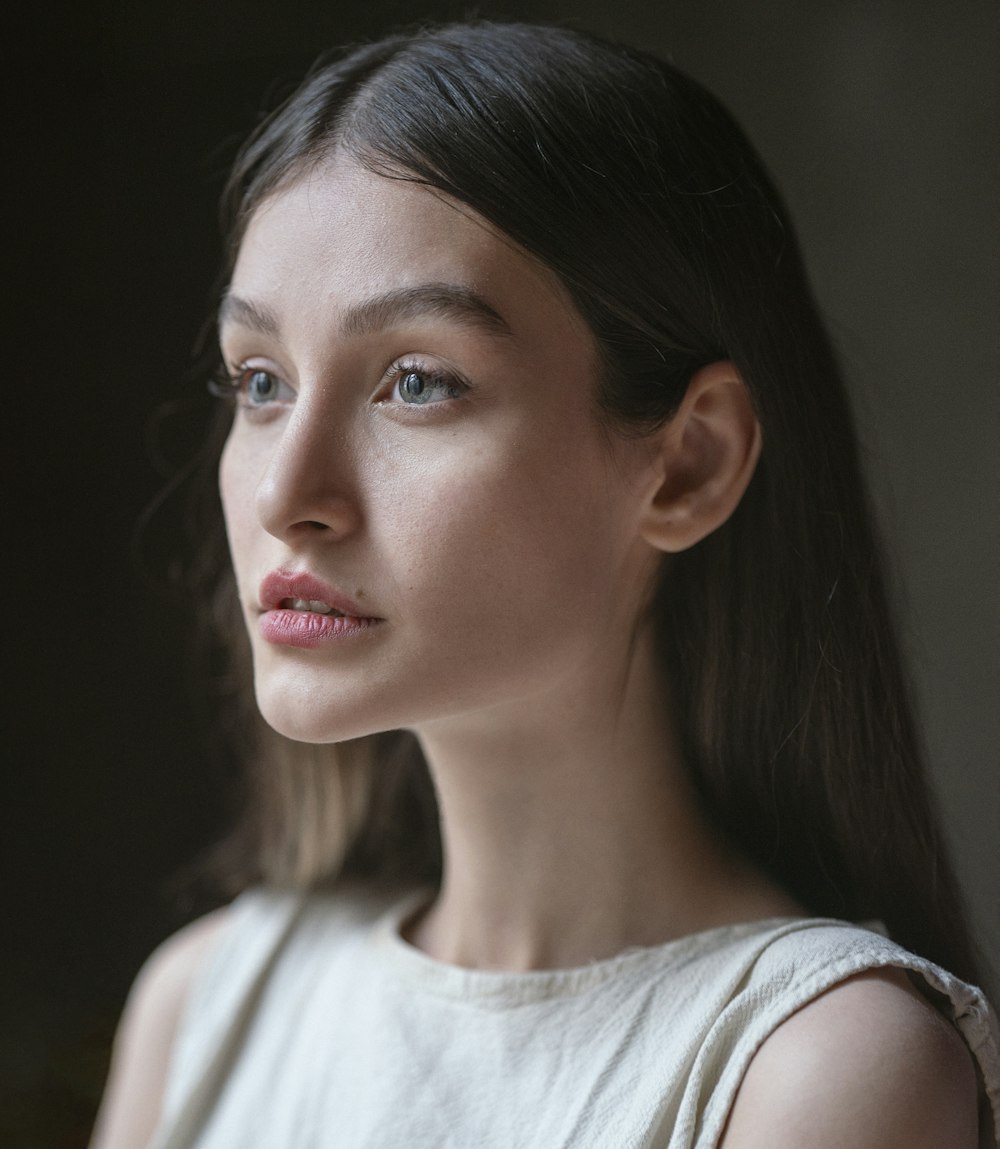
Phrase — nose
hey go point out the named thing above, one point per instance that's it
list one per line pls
(308, 486)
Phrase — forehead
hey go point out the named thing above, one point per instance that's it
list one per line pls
(341, 233)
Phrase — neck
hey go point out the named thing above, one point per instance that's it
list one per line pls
(571, 832)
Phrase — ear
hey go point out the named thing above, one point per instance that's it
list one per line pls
(704, 457)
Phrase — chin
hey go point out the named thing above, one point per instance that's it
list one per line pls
(295, 711)
(302, 723)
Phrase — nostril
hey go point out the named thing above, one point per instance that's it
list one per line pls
(316, 525)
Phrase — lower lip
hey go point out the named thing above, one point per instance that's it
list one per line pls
(308, 629)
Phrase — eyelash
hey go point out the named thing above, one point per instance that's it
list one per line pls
(232, 384)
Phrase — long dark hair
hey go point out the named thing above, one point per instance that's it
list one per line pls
(639, 190)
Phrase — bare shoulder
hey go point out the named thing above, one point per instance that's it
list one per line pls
(146, 1034)
(869, 1064)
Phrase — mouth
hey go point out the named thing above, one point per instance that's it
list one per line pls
(299, 610)
(310, 605)
(302, 593)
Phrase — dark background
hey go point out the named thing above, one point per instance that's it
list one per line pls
(879, 120)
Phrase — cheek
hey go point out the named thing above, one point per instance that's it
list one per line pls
(236, 492)
(523, 538)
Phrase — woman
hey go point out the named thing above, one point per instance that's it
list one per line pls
(563, 597)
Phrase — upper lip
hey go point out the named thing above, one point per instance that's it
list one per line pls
(280, 585)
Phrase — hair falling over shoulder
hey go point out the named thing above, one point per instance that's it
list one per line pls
(638, 189)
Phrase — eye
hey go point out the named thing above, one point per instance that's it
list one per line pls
(252, 387)
(259, 387)
(418, 386)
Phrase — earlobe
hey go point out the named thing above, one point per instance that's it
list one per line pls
(704, 459)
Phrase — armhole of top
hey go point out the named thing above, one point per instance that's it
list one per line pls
(963, 1005)
(147, 1032)
(221, 1001)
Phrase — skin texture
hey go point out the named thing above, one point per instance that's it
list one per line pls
(507, 541)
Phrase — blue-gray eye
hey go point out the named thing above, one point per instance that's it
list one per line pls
(261, 387)
(412, 387)
(418, 387)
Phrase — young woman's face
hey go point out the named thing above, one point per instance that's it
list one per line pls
(417, 446)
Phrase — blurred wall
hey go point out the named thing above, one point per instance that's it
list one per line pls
(879, 121)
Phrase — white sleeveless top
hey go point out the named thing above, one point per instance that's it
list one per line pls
(314, 1025)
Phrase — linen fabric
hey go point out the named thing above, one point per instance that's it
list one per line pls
(314, 1025)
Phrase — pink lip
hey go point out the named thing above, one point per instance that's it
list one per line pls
(287, 627)
(280, 585)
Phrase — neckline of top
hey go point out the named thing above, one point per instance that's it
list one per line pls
(405, 961)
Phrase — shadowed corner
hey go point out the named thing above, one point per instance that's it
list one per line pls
(53, 1063)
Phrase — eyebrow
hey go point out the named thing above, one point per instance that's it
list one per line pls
(437, 300)
(256, 317)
